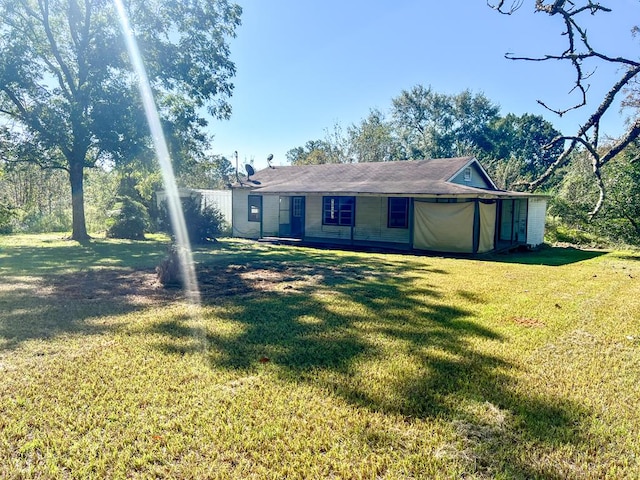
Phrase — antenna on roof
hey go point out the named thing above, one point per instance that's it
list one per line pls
(235, 154)
(269, 158)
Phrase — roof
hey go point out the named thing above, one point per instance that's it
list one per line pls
(411, 177)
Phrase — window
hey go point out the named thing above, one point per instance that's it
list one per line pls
(255, 205)
(338, 210)
(398, 212)
(467, 174)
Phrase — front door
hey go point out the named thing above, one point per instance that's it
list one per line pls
(297, 217)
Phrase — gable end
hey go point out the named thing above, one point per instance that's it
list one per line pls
(473, 175)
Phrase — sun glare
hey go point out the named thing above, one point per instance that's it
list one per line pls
(173, 200)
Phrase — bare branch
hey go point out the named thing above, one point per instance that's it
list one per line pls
(500, 7)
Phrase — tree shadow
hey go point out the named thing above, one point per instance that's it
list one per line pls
(327, 323)
(546, 255)
(77, 303)
(47, 259)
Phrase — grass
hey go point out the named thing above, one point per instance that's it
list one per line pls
(306, 363)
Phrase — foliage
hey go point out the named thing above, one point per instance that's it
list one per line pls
(204, 222)
(7, 213)
(427, 124)
(314, 152)
(374, 139)
(214, 172)
(436, 125)
(585, 57)
(525, 138)
(129, 219)
(305, 363)
(66, 80)
(617, 221)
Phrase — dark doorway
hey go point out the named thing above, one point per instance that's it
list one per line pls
(297, 217)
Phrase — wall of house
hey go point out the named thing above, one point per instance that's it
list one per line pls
(242, 227)
(371, 222)
(270, 215)
(313, 222)
(536, 221)
(477, 178)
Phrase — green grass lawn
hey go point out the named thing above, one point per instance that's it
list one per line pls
(307, 363)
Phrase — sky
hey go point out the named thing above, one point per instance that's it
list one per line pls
(305, 66)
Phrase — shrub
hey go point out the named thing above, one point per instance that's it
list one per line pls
(204, 223)
(7, 213)
(129, 219)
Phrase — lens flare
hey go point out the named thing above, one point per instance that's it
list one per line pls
(162, 152)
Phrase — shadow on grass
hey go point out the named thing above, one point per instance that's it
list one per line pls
(383, 341)
(43, 259)
(54, 287)
(546, 255)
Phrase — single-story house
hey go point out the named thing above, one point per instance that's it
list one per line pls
(439, 205)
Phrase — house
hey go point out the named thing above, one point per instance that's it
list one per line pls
(439, 205)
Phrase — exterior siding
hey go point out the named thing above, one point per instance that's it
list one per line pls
(536, 221)
(242, 227)
(314, 227)
(477, 179)
(371, 222)
(270, 215)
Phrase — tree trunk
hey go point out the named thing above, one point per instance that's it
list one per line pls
(76, 177)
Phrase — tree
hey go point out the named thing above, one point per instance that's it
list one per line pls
(314, 152)
(214, 172)
(67, 88)
(519, 149)
(577, 51)
(437, 125)
(374, 139)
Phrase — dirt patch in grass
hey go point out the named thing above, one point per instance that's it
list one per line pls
(528, 322)
(142, 286)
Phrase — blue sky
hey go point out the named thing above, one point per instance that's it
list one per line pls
(305, 66)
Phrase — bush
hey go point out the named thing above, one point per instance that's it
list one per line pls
(7, 213)
(204, 223)
(129, 219)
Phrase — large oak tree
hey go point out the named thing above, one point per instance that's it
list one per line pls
(67, 92)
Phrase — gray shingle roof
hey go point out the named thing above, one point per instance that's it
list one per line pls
(420, 177)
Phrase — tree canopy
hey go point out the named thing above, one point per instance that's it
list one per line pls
(427, 124)
(68, 97)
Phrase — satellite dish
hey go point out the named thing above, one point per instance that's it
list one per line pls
(269, 158)
(249, 169)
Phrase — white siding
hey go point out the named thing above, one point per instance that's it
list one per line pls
(535, 225)
(242, 227)
(270, 215)
(220, 199)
